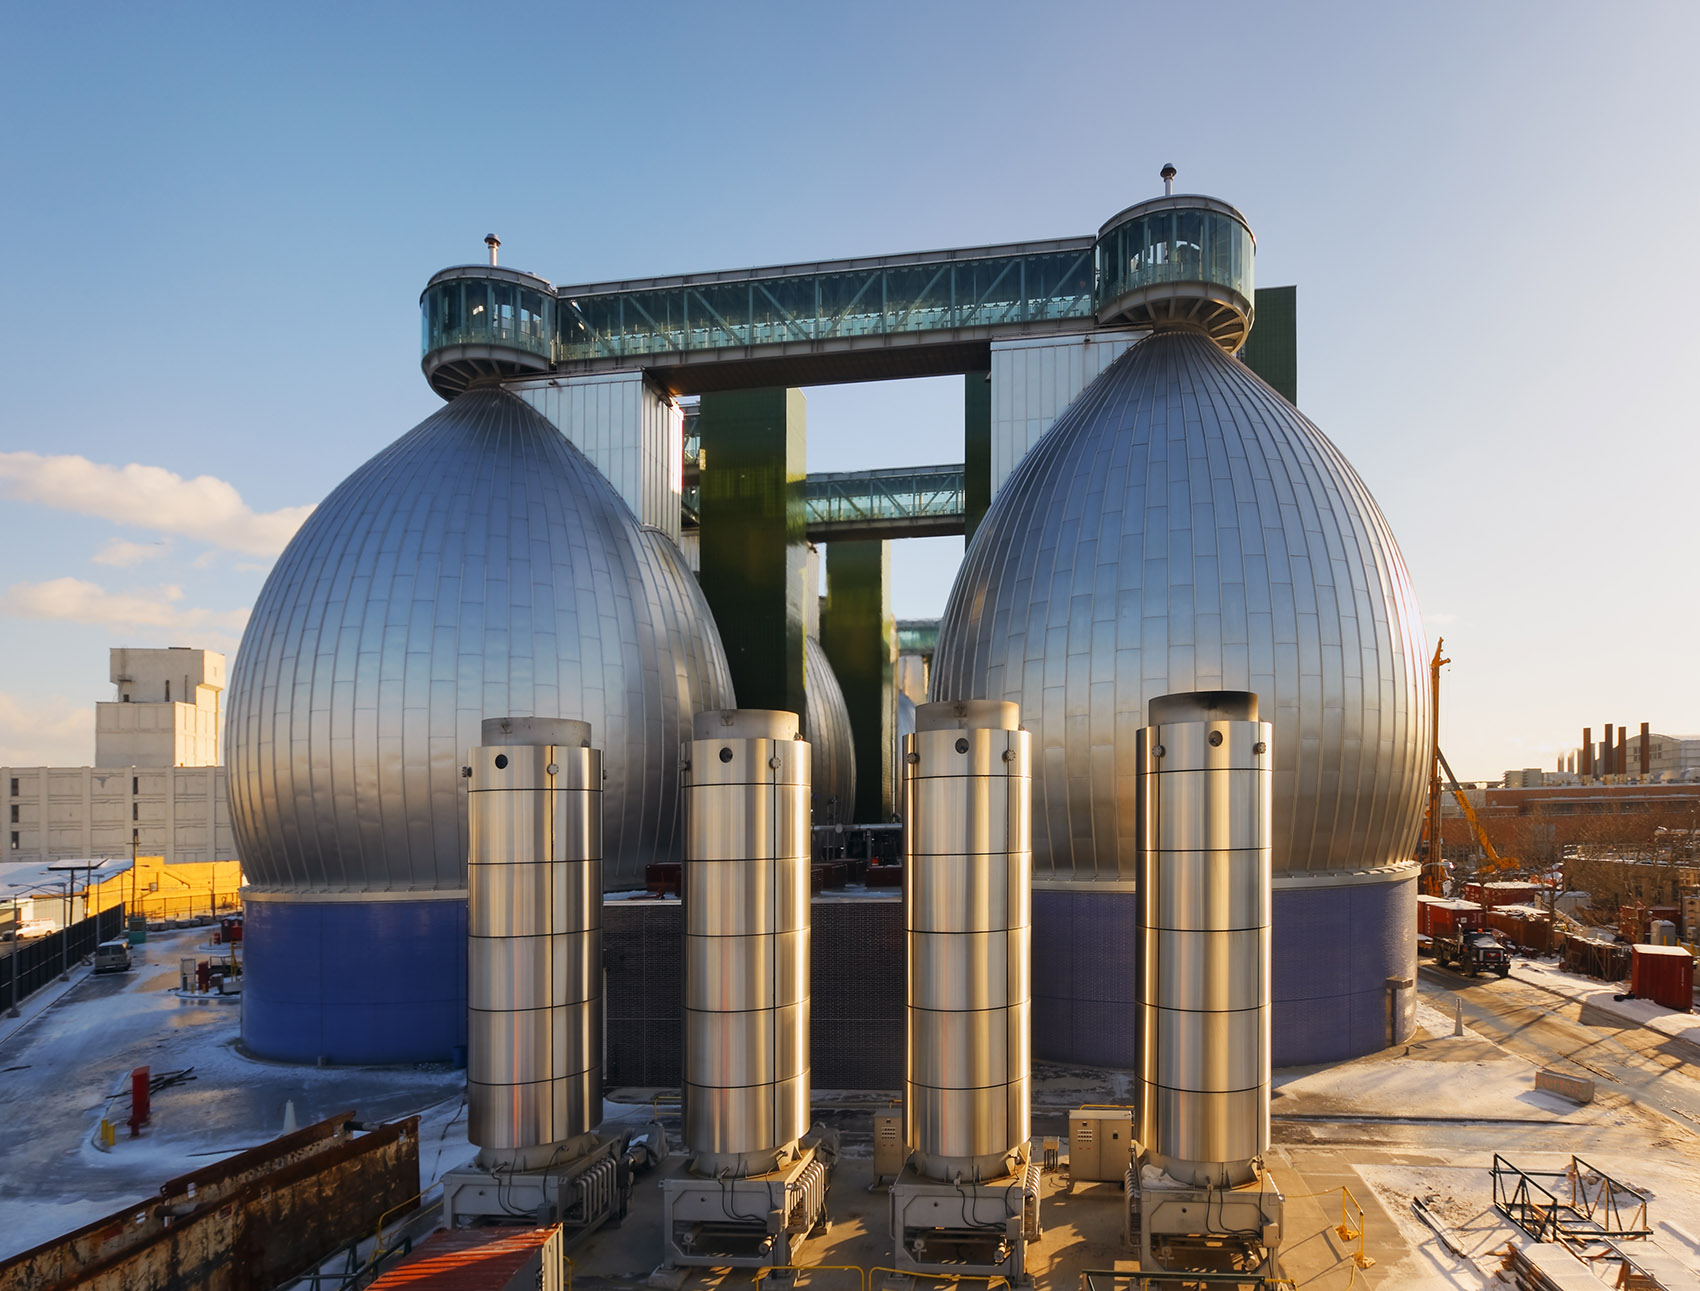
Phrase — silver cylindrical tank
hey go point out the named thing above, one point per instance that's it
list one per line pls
(534, 940)
(967, 881)
(1205, 789)
(746, 898)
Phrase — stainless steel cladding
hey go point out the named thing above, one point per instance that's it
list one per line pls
(477, 565)
(967, 879)
(1182, 527)
(1204, 818)
(534, 932)
(746, 898)
(832, 747)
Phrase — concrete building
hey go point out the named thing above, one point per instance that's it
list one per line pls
(169, 711)
(157, 786)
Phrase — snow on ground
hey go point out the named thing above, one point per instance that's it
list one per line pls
(1592, 993)
(62, 1064)
(1461, 1197)
(1462, 1078)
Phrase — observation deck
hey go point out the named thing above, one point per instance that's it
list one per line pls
(1179, 261)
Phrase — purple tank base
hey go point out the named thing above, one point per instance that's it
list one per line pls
(354, 983)
(1335, 949)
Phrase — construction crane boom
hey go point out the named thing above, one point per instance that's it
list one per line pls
(1496, 862)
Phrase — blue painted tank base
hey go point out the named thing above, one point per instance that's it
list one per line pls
(354, 983)
(1334, 950)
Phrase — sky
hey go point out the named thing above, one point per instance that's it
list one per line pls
(219, 219)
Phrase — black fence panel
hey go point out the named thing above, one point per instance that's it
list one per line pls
(33, 964)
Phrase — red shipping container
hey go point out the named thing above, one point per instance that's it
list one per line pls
(1664, 975)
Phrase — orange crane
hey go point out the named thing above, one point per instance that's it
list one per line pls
(1434, 869)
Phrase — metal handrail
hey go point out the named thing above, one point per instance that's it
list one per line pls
(1348, 1233)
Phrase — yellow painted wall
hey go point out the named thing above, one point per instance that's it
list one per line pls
(173, 891)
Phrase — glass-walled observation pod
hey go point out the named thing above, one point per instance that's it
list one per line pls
(479, 321)
(1178, 261)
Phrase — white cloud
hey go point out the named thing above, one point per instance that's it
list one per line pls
(205, 508)
(206, 560)
(80, 601)
(45, 731)
(121, 553)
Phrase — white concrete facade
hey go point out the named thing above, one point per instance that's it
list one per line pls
(169, 711)
(54, 813)
(1034, 381)
(630, 431)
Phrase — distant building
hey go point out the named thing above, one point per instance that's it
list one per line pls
(157, 783)
(168, 713)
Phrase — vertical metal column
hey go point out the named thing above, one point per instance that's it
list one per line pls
(534, 954)
(967, 882)
(746, 897)
(754, 540)
(1205, 779)
(860, 638)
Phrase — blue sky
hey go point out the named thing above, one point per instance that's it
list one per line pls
(219, 219)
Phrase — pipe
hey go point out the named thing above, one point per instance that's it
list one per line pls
(1205, 779)
(967, 880)
(745, 882)
(534, 942)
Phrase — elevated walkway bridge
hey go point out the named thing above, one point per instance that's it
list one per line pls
(928, 313)
(901, 502)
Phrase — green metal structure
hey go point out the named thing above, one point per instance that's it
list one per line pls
(860, 639)
(754, 544)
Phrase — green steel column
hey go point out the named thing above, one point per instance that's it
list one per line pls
(976, 448)
(755, 541)
(860, 639)
(1272, 349)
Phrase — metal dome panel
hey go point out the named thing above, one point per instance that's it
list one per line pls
(830, 737)
(479, 566)
(1182, 527)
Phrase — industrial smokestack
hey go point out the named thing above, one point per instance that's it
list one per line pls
(1646, 750)
(534, 943)
(1608, 754)
(492, 241)
(1205, 776)
(1587, 768)
(1622, 766)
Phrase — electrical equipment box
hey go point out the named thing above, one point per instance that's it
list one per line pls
(1100, 1144)
(889, 1152)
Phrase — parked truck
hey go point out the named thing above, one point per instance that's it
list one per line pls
(1455, 932)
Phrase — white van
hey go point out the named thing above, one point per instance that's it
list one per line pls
(112, 956)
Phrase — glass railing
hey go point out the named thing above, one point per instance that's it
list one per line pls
(1174, 245)
(479, 311)
(858, 499)
(1166, 241)
(983, 291)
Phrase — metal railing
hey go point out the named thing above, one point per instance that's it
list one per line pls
(1598, 1206)
(1350, 1233)
(905, 502)
(1114, 1280)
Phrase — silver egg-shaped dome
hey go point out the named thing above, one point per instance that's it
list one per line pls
(1182, 527)
(478, 567)
(832, 746)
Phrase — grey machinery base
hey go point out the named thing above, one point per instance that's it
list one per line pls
(1196, 1227)
(965, 1229)
(759, 1221)
(581, 1195)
